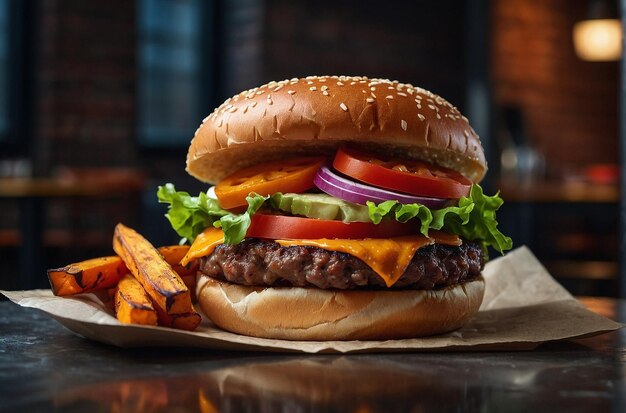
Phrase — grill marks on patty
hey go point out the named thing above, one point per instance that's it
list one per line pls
(257, 262)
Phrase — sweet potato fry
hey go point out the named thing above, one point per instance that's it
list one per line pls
(104, 272)
(132, 303)
(86, 276)
(173, 254)
(158, 278)
(183, 270)
(190, 282)
(188, 321)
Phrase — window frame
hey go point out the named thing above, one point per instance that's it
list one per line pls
(22, 30)
(208, 84)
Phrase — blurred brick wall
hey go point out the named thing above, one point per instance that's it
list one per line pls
(571, 106)
(86, 79)
(86, 83)
(420, 42)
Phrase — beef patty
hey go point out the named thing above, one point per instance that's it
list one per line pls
(257, 262)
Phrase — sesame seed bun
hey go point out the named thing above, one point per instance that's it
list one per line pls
(317, 114)
(293, 313)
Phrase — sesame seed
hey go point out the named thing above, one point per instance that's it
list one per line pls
(291, 92)
(388, 97)
(324, 87)
(245, 109)
(402, 94)
(313, 88)
(369, 100)
(270, 101)
(254, 104)
(466, 133)
(390, 87)
(433, 107)
(232, 110)
(422, 117)
(339, 84)
(325, 93)
(438, 116)
(372, 88)
(220, 123)
(419, 106)
(343, 107)
(278, 88)
(373, 95)
(403, 124)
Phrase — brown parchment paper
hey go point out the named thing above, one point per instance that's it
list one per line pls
(523, 307)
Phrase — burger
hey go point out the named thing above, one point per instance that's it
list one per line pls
(343, 208)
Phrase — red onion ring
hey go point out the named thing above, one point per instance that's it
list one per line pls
(358, 193)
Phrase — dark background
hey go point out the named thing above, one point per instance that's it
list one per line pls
(105, 87)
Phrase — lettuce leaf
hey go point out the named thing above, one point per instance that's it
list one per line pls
(190, 215)
(236, 226)
(474, 218)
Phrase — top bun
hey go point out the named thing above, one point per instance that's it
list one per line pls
(316, 114)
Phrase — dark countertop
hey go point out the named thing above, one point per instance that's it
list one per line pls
(44, 367)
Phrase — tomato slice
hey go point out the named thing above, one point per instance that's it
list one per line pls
(290, 227)
(411, 177)
(293, 175)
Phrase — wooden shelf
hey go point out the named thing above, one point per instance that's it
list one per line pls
(588, 270)
(84, 182)
(555, 191)
(59, 238)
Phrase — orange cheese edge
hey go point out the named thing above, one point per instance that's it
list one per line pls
(388, 257)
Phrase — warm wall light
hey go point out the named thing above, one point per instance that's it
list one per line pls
(598, 39)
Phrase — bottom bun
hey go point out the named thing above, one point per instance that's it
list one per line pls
(293, 313)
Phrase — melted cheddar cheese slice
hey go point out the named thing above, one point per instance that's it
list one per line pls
(204, 244)
(388, 257)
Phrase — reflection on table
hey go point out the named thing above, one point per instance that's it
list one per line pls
(64, 372)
